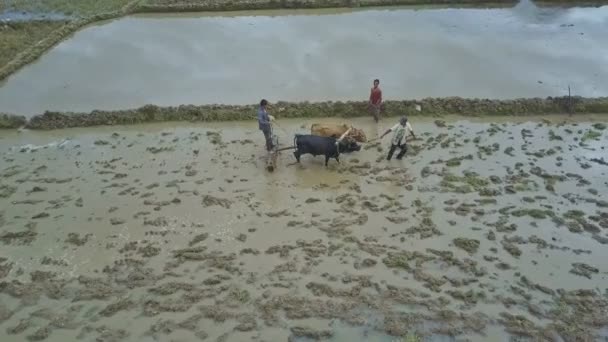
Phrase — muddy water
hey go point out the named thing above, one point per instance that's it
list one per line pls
(176, 232)
(318, 55)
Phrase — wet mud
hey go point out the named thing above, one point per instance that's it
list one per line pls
(140, 237)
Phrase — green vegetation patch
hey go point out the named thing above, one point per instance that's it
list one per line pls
(18, 36)
(469, 182)
(81, 8)
(534, 213)
(591, 135)
(12, 121)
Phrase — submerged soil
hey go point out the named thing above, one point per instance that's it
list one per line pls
(177, 232)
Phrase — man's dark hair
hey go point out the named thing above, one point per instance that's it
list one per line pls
(263, 102)
(376, 80)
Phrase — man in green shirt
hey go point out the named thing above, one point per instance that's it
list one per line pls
(400, 131)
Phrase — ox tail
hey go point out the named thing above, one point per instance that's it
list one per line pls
(295, 141)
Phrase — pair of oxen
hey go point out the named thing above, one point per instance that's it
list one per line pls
(328, 140)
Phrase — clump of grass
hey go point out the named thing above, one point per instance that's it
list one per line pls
(591, 135)
(534, 213)
(397, 260)
(470, 182)
(574, 214)
(600, 126)
(453, 162)
(469, 245)
(553, 136)
(241, 296)
(214, 137)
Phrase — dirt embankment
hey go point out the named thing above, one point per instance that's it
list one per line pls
(240, 5)
(232, 5)
(12, 121)
(426, 107)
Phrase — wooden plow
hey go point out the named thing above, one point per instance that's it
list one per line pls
(271, 158)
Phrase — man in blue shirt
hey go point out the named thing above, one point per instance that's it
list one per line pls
(264, 123)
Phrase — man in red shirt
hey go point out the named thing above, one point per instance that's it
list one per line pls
(375, 100)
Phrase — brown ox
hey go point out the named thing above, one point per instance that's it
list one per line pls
(336, 131)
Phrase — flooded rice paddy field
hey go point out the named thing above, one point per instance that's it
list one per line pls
(484, 231)
(318, 55)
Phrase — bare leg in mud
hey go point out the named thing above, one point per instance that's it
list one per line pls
(375, 100)
(268, 138)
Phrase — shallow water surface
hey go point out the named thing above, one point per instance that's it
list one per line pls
(176, 232)
(318, 55)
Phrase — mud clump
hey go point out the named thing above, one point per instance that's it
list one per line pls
(511, 248)
(5, 269)
(36, 189)
(366, 263)
(440, 123)
(148, 251)
(101, 142)
(583, 270)
(214, 137)
(5, 313)
(75, 239)
(534, 213)
(470, 297)
(469, 245)
(518, 325)
(121, 305)
(157, 222)
(116, 221)
(40, 334)
(156, 150)
(7, 191)
(22, 237)
(209, 201)
(22, 326)
(198, 238)
(601, 239)
(246, 323)
(309, 333)
(41, 215)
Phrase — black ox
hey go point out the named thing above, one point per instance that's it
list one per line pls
(322, 146)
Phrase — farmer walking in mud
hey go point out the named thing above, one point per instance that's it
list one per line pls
(265, 123)
(400, 131)
(375, 100)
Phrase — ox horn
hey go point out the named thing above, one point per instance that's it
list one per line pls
(345, 134)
